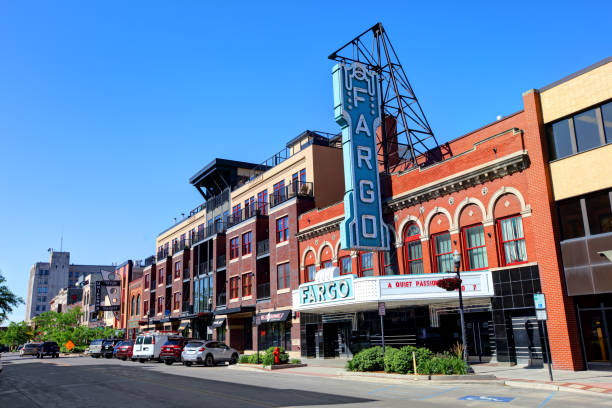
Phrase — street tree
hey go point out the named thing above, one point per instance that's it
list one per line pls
(61, 327)
(8, 300)
(16, 334)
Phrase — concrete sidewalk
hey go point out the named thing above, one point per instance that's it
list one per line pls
(516, 376)
(592, 380)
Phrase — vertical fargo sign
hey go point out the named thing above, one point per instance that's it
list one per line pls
(357, 111)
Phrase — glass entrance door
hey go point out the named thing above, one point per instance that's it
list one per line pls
(595, 334)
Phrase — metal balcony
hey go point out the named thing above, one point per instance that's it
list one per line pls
(295, 189)
(263, 247)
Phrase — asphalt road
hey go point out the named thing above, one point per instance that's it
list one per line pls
(87, 382)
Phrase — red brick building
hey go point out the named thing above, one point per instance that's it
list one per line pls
(491, 199)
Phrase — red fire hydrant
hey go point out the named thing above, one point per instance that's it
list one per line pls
(276, 356)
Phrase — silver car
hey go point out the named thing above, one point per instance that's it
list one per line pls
(208, 353)
(30, 349)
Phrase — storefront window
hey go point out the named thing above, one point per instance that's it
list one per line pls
(587, 130)
(275, 335)
(599, 212)
(221, 333)
(443, 253)
(570, 217)
(366, 266)
(413, 251)
(475, 248)
(559, 139)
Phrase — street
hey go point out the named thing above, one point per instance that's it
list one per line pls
(87, 382)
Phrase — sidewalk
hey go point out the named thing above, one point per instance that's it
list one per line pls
(592, 380)
(516, 376)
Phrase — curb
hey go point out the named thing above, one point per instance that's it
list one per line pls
(553, 387)
(422, 377)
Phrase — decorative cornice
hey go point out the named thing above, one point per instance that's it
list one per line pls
(494, 170)
(320, 229)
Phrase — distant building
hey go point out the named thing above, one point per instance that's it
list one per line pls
(90, 317)
(66, 299)
(47, 278)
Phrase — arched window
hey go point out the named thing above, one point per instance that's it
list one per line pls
(413, 252)
(133, 306)
(474, 247)
(138, 305)
(443, 252)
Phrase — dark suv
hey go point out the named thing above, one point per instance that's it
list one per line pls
(108, 347)
(48, 348)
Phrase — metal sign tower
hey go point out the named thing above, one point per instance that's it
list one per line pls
(406, 137)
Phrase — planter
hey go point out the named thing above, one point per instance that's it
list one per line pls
(449, 284)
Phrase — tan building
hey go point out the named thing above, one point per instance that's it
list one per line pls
(577, 115)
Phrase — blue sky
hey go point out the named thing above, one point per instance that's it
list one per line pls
(107, 108)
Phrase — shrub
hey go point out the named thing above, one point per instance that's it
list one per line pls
(267, 358)
(370, 359)
(400, 361)
(244, 359)
(447, 365)
(296, 361)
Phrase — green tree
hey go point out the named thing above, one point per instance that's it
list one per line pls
(8, 300)
(16, 334)
(61, 327)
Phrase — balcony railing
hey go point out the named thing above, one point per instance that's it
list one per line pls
(246, 213)
(186, 273)
(295, 189)
(263, 290)
(221, 299)
(186, 308)
(180, 246)
(169, 278)
(218, 227)
(221, 261)
(204, 267)
(263, 247)
(162, 254)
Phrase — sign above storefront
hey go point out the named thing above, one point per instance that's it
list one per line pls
(425, 286)
(273, 317)
(357, 111)
(331, 291)
(348, 293)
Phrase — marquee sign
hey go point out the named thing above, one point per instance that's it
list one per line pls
(334, 290)
(357, 111)
(425, 286)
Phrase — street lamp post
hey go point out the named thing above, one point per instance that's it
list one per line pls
(457, 261)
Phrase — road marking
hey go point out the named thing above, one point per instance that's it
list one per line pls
(547, 399)
(438, 393)
(488, 398)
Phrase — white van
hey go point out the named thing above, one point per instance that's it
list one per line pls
(148, 345)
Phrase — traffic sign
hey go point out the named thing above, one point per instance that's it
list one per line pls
(539, 301)
(69, 345)
(487, 398)
(381, 309)
(541, 314)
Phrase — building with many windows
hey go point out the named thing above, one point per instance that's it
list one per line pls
(48, 278)
(577, 116)
(498, 198)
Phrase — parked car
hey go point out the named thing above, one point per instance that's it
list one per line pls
(148, 345)
(30, 349)
(172, 349)
(208, 353)
(124, 350)
(4, 349)
(108, 347)
(49, 348)
(19, 347)
(95, 348)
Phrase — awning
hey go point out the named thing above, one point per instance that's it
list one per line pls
(183, 326)
(218, 322)
(273, 317)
